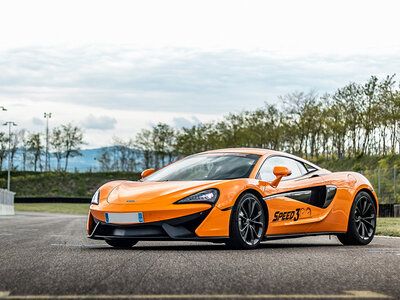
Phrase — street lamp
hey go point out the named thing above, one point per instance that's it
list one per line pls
(47, 116)
(9, 123)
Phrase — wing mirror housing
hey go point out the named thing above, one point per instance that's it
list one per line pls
(147, 172)
(280, 172)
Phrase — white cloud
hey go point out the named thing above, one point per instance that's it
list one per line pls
(287, 27)
(143, 62)
(37, 121)
(100, 122)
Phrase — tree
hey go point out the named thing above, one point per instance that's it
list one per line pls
(104, 160)
(369, 112)
(35, 149)
(357, 119)
(57, 144)
(72, 139)
(163, 140)
(124, 155)
(144, 143)
(3, 148)
(14, 145)
(23, 137)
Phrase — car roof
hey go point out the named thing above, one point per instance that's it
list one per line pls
(260, 151)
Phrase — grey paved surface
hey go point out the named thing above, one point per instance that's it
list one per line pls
(48, 254)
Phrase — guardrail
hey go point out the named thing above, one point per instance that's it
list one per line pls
(6, 202)
(389, 210)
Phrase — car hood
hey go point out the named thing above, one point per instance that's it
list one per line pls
(130, 192)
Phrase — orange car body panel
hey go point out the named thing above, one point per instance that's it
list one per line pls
(156, 200)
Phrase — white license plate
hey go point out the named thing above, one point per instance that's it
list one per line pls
(124, 218)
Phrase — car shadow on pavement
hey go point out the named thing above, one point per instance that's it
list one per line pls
(210, 247)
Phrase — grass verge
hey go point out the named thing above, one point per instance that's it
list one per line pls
(65, 208)
(388, 226)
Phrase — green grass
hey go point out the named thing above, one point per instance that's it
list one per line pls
(385, 226)
(388, 226)
(60, 184)
(65, 208)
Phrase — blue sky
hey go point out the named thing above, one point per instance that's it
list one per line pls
(114, 67)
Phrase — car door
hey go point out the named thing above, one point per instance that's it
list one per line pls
(299, 199)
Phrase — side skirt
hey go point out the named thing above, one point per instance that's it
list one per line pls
(298, 235)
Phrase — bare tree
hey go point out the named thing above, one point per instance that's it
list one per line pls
(35, 149)
(57, 145)
(124, 155)
(3, 149)
(23, 137)
(144, 143)
(14, 146)
(72, 138)
(104, 160)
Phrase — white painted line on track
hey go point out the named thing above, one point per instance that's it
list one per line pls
(388, 237)
(346, 295)
(79, 245)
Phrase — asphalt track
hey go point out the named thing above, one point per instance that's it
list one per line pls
(48, 255)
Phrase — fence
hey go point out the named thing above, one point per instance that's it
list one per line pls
(6, 202)
(385, 183)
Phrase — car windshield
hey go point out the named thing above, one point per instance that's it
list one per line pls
(218, 166)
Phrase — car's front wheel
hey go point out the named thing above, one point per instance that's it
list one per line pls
(247, 226)
(362, 221)
(121, 243)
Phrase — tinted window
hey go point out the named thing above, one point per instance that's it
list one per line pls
(267, 170)
(207, 167)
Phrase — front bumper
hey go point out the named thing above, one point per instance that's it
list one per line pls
(181, 228)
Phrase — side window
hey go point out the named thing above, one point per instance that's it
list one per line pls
(309, 168)
(267, 170)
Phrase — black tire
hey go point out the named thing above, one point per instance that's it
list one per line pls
(121, 243)
(247, 223)
(362, 221)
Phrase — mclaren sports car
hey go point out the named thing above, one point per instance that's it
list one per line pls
(240, 197)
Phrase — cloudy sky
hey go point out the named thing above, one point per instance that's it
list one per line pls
(114, 67)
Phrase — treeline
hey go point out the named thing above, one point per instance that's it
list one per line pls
(151, 148)
(359, 119)
(356, 120)
(64, 142)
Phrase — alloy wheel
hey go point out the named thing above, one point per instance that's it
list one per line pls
(251, 221)
(365, 218)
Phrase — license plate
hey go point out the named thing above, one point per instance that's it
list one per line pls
(124, 218)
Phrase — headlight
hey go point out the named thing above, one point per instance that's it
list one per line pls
(95, 198)
(206, 196)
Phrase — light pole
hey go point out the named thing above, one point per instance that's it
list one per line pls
(9, 123)
(47, 116)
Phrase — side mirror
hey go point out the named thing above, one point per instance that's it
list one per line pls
(280, 172)
(147, 172)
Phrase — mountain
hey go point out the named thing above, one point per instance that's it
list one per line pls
(87, 162)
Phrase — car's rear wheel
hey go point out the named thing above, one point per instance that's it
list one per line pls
(247, 225)
(121, 243)
(362, 221)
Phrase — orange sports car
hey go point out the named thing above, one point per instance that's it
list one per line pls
(236, 196)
